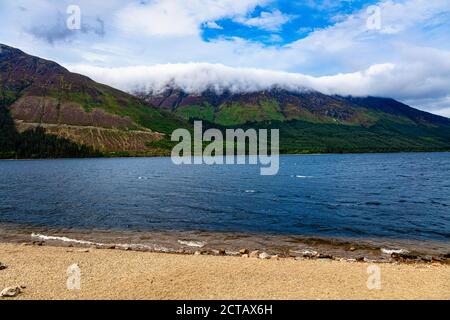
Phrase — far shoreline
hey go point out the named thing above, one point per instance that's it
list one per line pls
(281, 155)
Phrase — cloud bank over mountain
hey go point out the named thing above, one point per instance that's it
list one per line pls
(326, 45)
(388, 80)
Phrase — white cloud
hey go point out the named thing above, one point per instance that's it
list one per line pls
(191, 77)
(444, 112)
(179, 17)
(275, 38)
(388, 80)
(351, 41)
(213, 25)
(271, 21)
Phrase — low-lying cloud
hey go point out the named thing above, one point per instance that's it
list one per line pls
(403, 82)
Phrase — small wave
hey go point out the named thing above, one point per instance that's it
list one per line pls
(306, 252)
(195, 244)
(62, 239)
(391, 251)
(250, 191)
(302, 177)
(132, 246)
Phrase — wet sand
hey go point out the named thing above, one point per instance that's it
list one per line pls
(117, 274)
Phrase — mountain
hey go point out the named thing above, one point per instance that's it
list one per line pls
(39, 98)
(280, 105)
(313, 122)
(47, 111)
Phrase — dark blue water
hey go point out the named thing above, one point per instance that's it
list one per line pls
(398, 196)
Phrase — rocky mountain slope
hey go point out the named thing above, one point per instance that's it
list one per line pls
(281, 105)
(38, 93)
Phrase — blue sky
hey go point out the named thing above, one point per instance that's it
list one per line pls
(391, 48)
(303, 18)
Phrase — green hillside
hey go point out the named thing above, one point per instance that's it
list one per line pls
(47, 111)
(311, 122)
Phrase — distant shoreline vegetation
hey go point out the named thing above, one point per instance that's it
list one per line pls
(167, 154)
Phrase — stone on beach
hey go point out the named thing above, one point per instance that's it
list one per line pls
(438, 259)
(3, 266)
(309, 253)
(11, 292)
(264, 256)
(360, 259)
(403, 256)
(243, 251)
(254, 254)
(324, 256)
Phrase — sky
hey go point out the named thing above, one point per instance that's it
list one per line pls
(398, 49)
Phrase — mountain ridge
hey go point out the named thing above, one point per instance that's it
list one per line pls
(38, 91)
(312, 122)
(40, 98)
(338, 107)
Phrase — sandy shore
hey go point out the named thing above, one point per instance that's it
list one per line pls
(115, 274)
